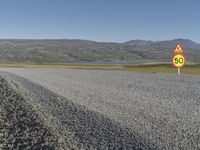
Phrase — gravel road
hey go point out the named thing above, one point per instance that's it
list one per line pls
(113, 110)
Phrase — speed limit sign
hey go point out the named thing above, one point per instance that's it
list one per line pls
(178, 59)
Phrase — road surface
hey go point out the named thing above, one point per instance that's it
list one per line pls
(147, 111)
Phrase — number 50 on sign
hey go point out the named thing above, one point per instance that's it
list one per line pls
(178, 60)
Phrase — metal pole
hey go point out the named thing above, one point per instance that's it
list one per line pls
(179, 71)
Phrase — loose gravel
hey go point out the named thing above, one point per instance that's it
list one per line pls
(71, 125)
(142, 111)
(20, 126)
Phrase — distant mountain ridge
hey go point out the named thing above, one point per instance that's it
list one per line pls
(76, 50)
(138, 42)
(168, 43)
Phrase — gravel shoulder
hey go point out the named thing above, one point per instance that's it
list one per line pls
(98, 109)
(36, 118)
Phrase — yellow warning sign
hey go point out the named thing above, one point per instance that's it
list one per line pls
(178, 61)
(178, 49)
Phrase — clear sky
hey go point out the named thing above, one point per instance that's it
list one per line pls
(100, 20)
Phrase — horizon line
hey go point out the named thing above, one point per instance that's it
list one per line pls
(98, 41)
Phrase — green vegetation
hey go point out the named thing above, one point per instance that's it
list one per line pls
(65, 51)
(56, 53)
(164, 68)
(152, 68)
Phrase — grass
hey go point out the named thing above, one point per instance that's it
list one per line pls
(155, 68)
(164, 68)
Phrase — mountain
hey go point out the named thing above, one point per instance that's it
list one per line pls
(170, 43)
(138, 42)
(75, 50)
(185, 42)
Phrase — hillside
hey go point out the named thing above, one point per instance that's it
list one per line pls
(64, 51)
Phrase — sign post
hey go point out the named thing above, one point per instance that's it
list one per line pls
(178, 59)
(179, 71)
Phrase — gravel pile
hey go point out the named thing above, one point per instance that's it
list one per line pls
(20, 126)
(110, 109)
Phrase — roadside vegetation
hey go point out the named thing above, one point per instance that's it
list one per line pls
(151, 68)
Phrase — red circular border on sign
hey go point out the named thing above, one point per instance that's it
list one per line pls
(173, 58)
(180, 47)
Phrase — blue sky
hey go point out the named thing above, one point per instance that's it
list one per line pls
(100, 20)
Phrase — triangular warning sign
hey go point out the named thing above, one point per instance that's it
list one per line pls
(178, 49)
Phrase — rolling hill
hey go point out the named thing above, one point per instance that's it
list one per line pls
(65, 51)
